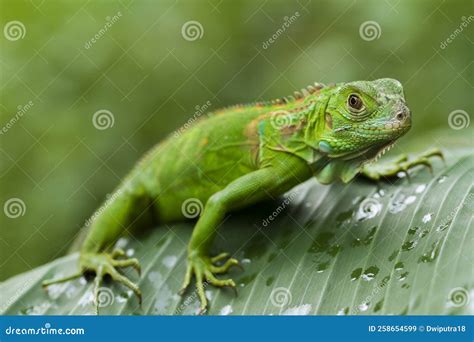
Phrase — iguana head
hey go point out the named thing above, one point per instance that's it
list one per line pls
(361, 120)
(364, 117)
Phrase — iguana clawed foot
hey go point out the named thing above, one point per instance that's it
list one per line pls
(204, 269)
(400, 164)
(103, 264)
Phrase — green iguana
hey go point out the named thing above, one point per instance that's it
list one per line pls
(238, 156)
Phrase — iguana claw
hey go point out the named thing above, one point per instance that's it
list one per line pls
(400, 164)
(204, 268)
(103, 264)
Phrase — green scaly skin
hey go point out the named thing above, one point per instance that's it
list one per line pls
(241, 155)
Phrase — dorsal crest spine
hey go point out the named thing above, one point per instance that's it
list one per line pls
(297, 95)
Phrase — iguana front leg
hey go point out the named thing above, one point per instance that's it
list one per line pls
(391, 168)
(248, 189)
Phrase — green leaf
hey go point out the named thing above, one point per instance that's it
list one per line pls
(362, 248)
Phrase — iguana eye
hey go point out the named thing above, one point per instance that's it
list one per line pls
(355, 103)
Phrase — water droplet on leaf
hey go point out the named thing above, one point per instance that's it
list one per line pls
(409, 245)
(431, 254)
(442, 179)
(364, 306)
(399, 266)
(370, 273)
(427, 217)
(356, 274)
(420, 188)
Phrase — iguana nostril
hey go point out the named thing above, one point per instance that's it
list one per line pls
(400, 116)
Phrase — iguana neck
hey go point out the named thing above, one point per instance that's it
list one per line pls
(294, 128)
(297, 129)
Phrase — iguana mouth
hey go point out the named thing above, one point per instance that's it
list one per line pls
(368, 153)
(383, 150)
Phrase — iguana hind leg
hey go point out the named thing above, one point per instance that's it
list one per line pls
(103, 264)
(113, 221)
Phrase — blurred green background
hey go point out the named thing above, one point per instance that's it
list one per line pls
(151, 74)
